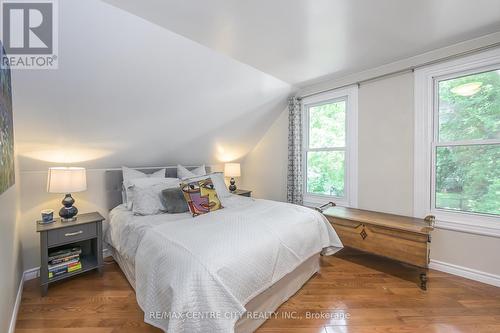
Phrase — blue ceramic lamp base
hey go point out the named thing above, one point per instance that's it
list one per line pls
(232, 185)
(68, 212)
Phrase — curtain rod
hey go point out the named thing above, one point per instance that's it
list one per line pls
(408, 69)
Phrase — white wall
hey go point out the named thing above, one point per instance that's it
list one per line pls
(264, 169)
(385, 145)
(10, 257)
(386, 115)
(467, 250)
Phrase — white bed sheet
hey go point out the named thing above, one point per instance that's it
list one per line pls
(197, 274)
(126, 230)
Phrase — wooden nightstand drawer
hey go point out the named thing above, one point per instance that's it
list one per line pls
(71, 234)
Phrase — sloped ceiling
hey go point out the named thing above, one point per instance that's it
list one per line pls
(306, 41)
(156, 82)
(129, 92)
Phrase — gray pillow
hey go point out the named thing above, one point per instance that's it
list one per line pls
(174, 201)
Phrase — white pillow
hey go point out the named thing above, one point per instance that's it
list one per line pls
(182, 172)
(217, 180)
(220, 185)
(147, 194)
(131, 174)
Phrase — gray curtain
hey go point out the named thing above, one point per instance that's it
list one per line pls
(295, 174)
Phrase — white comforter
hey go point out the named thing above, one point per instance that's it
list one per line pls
(196, 274)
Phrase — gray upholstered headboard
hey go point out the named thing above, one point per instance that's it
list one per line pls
(114, 180)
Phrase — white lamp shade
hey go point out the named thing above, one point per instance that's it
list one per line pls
(232, 170)
(66, 180)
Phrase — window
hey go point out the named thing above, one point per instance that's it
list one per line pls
(457, 143)
(467, 149)
(330, 149)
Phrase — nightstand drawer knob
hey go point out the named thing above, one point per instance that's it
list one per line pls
(73, 233)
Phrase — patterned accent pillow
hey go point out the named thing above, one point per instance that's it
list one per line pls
(201, 196)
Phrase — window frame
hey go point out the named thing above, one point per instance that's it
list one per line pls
(426, 142)
(350, 149)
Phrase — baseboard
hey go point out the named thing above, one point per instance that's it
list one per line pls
(31, 274)
(465, 272)
(106, 253)
(17, 304)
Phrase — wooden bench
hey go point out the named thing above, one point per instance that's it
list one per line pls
(401, 238)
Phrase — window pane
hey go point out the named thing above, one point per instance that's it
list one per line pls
(325, 172)
(468, 178)
(327, 125)
(469, 107)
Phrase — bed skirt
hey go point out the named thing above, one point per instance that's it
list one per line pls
(266, 302)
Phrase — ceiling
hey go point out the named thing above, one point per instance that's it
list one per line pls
(128, 92)
(301, 41)
(202, 81)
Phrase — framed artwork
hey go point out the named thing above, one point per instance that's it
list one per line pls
(7, 170)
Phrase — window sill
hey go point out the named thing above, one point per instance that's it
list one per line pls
(318, 200)
(468, 223)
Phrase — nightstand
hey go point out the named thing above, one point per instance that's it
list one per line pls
(85, 232)
(244, 193)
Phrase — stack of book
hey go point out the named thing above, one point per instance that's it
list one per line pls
(64, 261)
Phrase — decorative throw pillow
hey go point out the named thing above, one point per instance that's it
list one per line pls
(131, 174)
(217, 180)
(173, 200)
(182, 172)
(147, 193)
(201, 196)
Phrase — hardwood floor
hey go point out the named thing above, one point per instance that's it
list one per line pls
(353, 293)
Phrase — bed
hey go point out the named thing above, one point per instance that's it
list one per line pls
(218, 272)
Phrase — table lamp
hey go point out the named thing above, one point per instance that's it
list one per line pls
(66, 181)
(232, 170)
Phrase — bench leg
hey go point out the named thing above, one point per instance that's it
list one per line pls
(423, 281)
